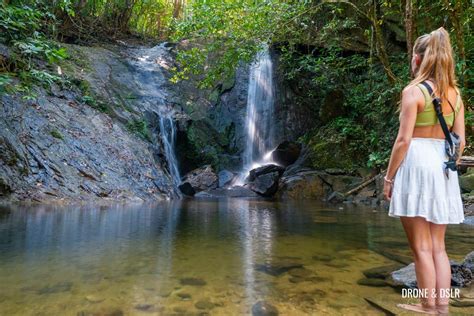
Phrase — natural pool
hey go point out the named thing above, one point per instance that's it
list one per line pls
(201, 257)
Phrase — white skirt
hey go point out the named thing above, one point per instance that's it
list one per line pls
(421, 187)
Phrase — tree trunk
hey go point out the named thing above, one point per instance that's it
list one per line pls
(177, 8)
(455, 16)
(409, 27)
(379, 42)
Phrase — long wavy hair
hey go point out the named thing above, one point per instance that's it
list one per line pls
(437, 62)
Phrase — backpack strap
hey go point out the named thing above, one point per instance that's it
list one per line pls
(439, 113)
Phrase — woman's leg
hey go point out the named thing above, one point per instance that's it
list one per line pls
(418, 233)
(442, 266)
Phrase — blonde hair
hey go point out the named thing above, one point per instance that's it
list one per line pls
(437, 62)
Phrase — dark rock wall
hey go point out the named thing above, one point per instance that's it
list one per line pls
(57, 148)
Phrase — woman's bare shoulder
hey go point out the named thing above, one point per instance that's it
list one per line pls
(412, 93)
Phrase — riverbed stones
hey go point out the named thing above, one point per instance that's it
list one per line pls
(371, 282)
(144, 307)
(381, 272)
(263, 308)
(204, 304)
(286, 153)
(278, 267)
(192, 281)
(184, 296)
(56, 288)
(300, 272)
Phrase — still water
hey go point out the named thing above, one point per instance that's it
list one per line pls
(201, 257)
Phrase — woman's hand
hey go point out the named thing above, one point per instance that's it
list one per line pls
(387, 190)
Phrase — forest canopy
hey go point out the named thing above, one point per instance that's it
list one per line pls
(360, 47)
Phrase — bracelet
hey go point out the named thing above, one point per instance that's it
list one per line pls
(387, 180)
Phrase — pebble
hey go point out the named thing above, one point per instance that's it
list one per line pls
(263, 308)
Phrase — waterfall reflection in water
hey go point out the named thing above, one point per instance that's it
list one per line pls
(171, 255)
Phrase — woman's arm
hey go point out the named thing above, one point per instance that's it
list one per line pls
(411, 96)
(459, 129)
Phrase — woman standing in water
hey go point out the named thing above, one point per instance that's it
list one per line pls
(420, 193)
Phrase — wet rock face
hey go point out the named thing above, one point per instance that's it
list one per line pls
(59, 148)
(286, 153)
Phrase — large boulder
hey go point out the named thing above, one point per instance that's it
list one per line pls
(264, 180)
(200, 179)
(254, 173)
(225, 178)
(286, 153)
(306, 184)
(466, 181)
(266, 184)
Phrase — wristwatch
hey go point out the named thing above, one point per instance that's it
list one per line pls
(387, 180)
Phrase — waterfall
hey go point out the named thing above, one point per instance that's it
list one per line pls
(259, 121)
(168, 138)
(149, 65)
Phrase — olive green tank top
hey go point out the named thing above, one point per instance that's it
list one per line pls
(428, 116)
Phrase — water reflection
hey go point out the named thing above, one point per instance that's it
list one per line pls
(101, 258)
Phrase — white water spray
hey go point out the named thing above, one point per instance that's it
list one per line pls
(259, 122)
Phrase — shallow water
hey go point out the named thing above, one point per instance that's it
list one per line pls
(203, 257)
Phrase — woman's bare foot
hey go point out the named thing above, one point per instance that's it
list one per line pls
(419, 308)
(443, 309)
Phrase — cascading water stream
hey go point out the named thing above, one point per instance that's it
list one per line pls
(150, 78)
(168, 138)
(259, 121)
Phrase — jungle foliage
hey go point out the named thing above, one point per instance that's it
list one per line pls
(360, 47)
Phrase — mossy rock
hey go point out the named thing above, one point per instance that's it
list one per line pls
(202, 144)
(466, 181)
(325, 155)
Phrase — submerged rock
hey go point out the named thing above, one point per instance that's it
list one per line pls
(56, 288)
(204, 304)
(286, 153)
(278, 267)
(371, 282)
(263, 308)
(381, 272)
(193, 281)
